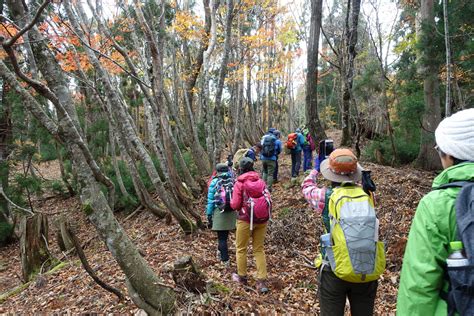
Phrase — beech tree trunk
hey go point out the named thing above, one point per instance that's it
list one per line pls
(127, 129)
(219, 109)
(350, 41)
(140, 277)
(428, 157)
(238, 125)
(312, 116)
(113, 154)
(447, 106)
(5, 150)
(200, 156)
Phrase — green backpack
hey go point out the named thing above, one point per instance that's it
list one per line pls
(305, 133)
(355, 254)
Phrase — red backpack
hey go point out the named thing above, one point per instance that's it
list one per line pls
(291, 142)
(260, 207)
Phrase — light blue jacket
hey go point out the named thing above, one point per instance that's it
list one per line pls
(299, 143)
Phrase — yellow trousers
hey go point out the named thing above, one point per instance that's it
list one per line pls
(242, 238)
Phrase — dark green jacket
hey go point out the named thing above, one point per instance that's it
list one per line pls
(223, 221)
(432, 229)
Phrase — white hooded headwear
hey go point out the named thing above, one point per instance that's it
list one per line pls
(455, 135)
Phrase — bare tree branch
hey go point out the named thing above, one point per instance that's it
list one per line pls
(32, 23)
(88, 268)
(329, 42)
(24, 210)
(131, 74)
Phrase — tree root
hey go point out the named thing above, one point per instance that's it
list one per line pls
(88, 268)
(138, 300)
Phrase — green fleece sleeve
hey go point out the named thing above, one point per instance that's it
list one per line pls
(425, 254)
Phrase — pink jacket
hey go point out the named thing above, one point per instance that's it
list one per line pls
(253, 186)
(315, 196)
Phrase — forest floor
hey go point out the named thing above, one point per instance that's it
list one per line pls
(293, 235)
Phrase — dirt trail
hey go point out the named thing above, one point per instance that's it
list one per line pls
(292, 234)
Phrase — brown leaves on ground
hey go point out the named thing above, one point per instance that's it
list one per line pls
(292, 236)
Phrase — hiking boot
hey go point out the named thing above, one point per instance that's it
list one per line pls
(239, 279)
(262, 287)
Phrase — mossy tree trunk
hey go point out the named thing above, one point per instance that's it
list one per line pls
(312, 116)
(116, 107)
(350, 42)
(6, 229)
(141, 279)
(428, 69)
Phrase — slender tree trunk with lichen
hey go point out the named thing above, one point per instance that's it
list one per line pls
(141, 279)
(142, 282)
(312, 116)
(428, 157)
(125, 125)
(6, 138)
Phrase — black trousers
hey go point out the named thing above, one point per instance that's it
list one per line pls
(222, 236)
(295, 163)
(333, 292)
(275, 172)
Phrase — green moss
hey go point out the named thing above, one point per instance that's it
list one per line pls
(221, 288)
(187, 226)
(6, 232)
(17, 290)
(284, 212)
(20, 288)
(306, 285)
(87, 208)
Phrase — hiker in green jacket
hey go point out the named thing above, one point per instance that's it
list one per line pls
(434, 225)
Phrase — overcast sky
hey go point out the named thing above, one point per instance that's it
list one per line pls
(387, 13)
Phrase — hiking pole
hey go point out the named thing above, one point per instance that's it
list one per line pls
(251, 214)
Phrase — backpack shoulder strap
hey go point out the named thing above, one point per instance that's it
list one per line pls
(464, 217)
(462, 207)
(348, 191)
(455, 184)
(325, 213)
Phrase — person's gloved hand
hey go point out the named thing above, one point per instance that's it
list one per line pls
(209, 221)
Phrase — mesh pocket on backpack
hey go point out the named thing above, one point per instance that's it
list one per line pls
(359, 233)
(462, 293)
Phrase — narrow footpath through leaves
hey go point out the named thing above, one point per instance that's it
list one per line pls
(292, 239)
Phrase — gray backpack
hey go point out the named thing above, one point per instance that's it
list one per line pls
(460, 295)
